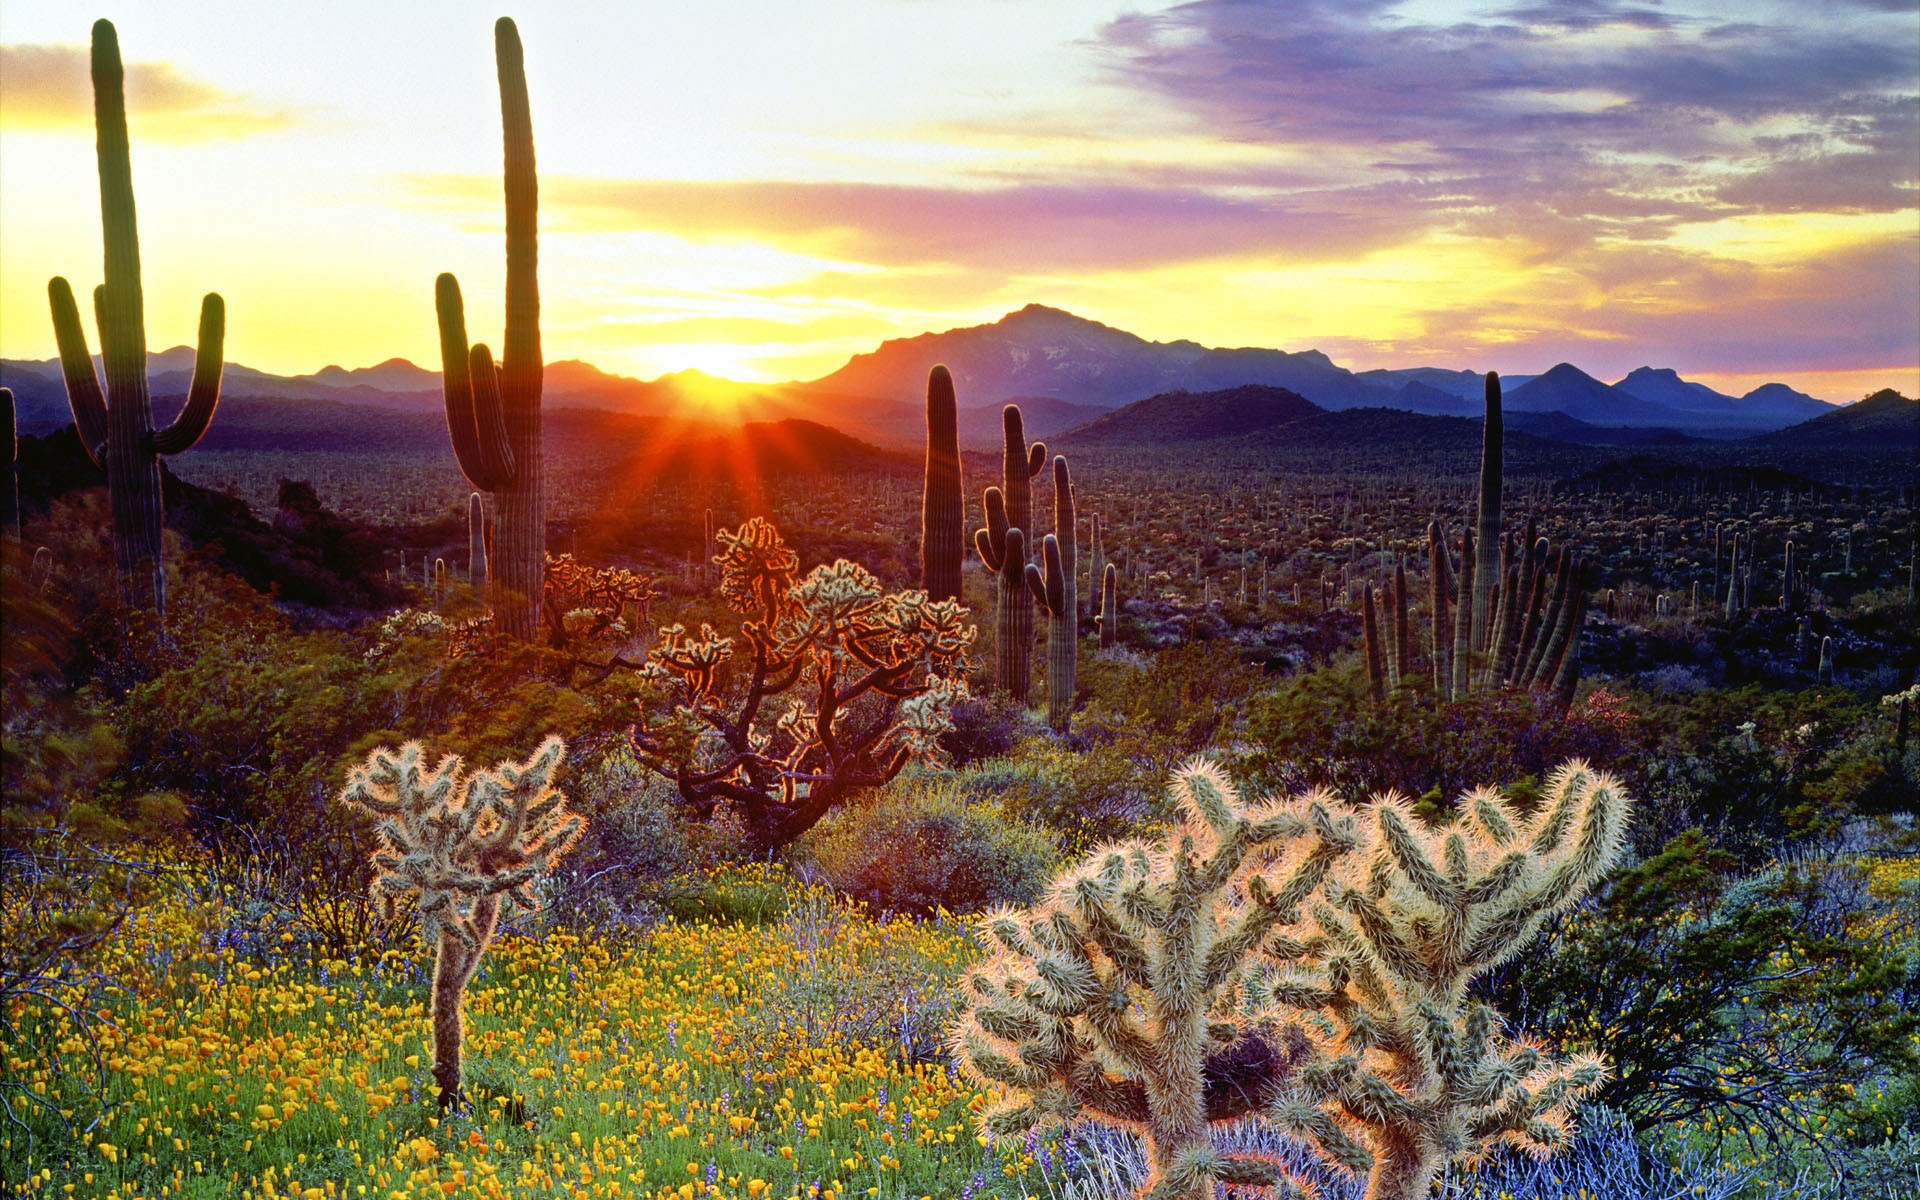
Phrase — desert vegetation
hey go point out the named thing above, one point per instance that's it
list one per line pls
(1538, 824)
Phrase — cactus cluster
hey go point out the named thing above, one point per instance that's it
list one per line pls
(464, 847)
(493, 413)
(1274, 962)
(116, 425)
(1003, 548)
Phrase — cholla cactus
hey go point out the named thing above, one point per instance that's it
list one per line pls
(1124, 997)
(462, 846)
(1269, 962)
(1404, 1072)
(831, 686)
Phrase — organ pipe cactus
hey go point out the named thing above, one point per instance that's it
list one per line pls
(1123, 997)
(1487, 567)
(1055, 584)
(1402, 1070)
(942, 512)
(465, 847)
(493, 414)
(116, 425)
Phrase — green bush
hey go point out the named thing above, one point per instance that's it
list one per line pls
(922, 846)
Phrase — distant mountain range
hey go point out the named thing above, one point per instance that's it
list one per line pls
(1065, 371)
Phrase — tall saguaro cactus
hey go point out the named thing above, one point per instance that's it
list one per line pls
(943, 538)
(1055, 584)
(1002, 546)
(1109, 619)
(116, 426)
(462, 845)
(1487, 567)
(493, 415)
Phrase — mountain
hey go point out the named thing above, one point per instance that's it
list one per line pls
(1041, 351)
(1567, 389)
(1563, 428)
(1190, 417)
(1421, 397)
(1465, 385)
(1042, 417)
(1780, 402)
(1766, 407)
(393, 375)
(1885, 421)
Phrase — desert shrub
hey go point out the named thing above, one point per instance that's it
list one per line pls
(923, 846)
(1085, 797)
(1188, 697)
(1746, 1006)
(987, 725)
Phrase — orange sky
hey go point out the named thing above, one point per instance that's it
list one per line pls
(762, 189)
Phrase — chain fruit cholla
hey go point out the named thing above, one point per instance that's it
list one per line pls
(463, 845)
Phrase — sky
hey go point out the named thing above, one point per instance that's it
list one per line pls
(760, 189)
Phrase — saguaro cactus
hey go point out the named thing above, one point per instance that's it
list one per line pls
(476, 540)
(1109, 606)
(943, 538)
(493, 416)
(116, 426)
(1123, 997)
(10, 490)
(1439, 587)
(1056, 589)
(1370, 624)
(1486, 567)
(1402, 1071)
(1002, 547)
(463, 845)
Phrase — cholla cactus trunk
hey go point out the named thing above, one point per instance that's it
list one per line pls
(493, 416)
(116, 427)
(1487, 567)
(1109, 607)
(1370, 626)
(942, 515)
(459, 845)
(1440, 626)
(1463, 619)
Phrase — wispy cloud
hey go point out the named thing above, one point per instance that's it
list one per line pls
(51, 88)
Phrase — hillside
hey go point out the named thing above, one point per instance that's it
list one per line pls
(1193, 416)
(1885, 421)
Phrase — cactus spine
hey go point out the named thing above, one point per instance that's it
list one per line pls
(942, 513)
(1002, 547)
(1055, 584)
(493, 416)
(465, 845)
(1109, 606)
(116, 426)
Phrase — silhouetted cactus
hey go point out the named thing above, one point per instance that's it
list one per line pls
(1122, 998)
(1487, 567)
(943, 536)
(493, 415)
(1002, 546)
(476, 541)
(1439, 585)
(10, 490)
(1055, 584)
(1370, 625)
(116, 426)
(464, 846)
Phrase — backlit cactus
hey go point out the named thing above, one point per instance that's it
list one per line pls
(943, 537)
(1003, 548)
(493, 414)
(1109, 607)
(1123, 997)
(1055, 584)
(465, 847)
(116, 426)
(1404, 1072)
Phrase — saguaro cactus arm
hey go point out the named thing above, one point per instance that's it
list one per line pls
(84, 395)
(203, 393)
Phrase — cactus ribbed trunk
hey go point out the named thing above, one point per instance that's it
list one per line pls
(116, 427)
(942, 515)
(1439, 568)
(476, 540)
(1463, 620)
(1010, 512)
(1055, 584)
(1096, 563)
(1013, 628)
(1109, 606)
(1402, 636)
(1487, 567)
(1370, 625)
(494, 416)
